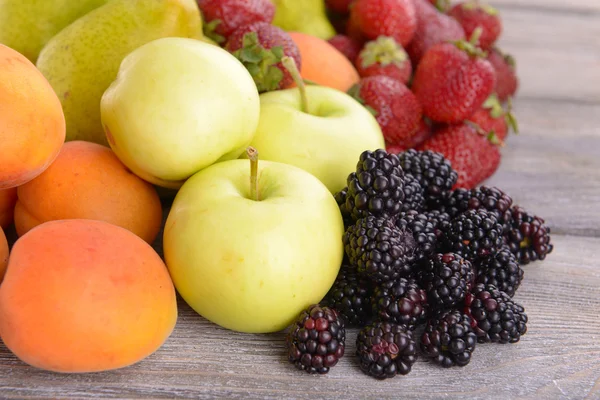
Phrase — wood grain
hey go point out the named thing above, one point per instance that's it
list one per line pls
(559, 357)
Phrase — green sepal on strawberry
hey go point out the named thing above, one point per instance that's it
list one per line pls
(442, 5)
(493, 119)
(260, 47)
(453, 80)
(384, 56)
(474, 14)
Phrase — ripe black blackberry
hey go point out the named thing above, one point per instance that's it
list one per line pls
(379, 250)
(473, 234)
(502, 270)
(340, 198)
(385, 349)
(496, 317)
(414, 197)
(433, 171)
(422, 230)
(316, 339)
(448, 339)
(447, 278)
(528, 237)
(401, 301)
(350, 296)
(377, 186)
(491, 199)
(438, 218)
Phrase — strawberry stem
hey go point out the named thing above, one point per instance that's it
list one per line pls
(290, 65)
(253, 156)
(475, 36)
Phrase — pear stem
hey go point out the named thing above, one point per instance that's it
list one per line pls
(290, 65)
(253, 156)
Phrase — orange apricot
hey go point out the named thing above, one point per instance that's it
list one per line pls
(324, 64)
(8, 198)
(32, 123)
(87, 180)
(3, 254)
(85, 296)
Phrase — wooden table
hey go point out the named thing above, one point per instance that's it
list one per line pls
(551, 168)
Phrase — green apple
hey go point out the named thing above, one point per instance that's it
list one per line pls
(177, 106)
(251, 254)
(322, 131)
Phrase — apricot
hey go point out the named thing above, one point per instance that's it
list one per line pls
(85, 296)
(32, 123)
(8, 198)
(87, 180)
(3, 254)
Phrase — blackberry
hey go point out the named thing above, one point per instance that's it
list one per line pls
(447, 278)
(350, 296)
(448, 339)
(491, 199)
(502, 270)
(438, 218)
(316, 340)
(379, 250)
(414, 198)
(422, 230)
(473, 234)
(528, 237)
(433, 171)
(496, 317)
(340, 198)
(401, 301)
(385, 350)
(377, 186)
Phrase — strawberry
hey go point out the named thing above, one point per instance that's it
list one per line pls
(374, 18)
(473, 14)
(472, 155)
(442, 5)
(433, 27)
(384, 56)
(222, 17)
(394, 106)
(423, 133)
(452, 81)
(491, 118)
(338, 6)
(507, 82)
(346, 45)
(260, 47)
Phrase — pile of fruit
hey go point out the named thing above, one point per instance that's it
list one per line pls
(244, 122)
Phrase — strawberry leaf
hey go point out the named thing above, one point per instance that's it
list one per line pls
(209, 31)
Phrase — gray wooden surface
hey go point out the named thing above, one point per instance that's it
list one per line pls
(551, 168)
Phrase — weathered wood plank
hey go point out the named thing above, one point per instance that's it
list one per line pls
(545, 6)
(558, 358)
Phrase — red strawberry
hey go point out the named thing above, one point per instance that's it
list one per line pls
(442, 5)
(374, 18)
(452, 81)
(222, 17)
(471, 154)
(384, 56)
(339, 6)
(395, 107)
(423, 133)
(507, 82)
(260, 47)
(473, 14)
(346, 45)
(433, 27)
(491, 118)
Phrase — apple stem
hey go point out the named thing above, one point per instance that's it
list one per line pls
(253, 156)
(290, 65)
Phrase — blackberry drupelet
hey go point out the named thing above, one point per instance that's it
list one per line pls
(350, 296)
(433, 171)
(447, 278)
(376, 187)
(456, 202)
(385, 350)
(473, 234)
(496, 317)
(502, 270)
(401, 301)
(414, 198)
(529, 237)
(423, 232)
(438, 218)
(316, 340)
(448, 339)
(379, 250)
(340, 198)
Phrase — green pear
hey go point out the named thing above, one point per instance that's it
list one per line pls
(83, 59)
(306, 16)
(27, 25)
